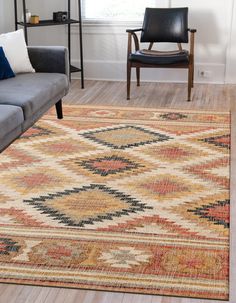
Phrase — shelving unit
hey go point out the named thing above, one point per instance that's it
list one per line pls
(68, 23)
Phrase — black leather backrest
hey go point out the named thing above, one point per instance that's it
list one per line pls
(165, 25)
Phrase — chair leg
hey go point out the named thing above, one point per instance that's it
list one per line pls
(128, 80)
(138, 75)
(189, 82)
(59, 109)
(192, 76)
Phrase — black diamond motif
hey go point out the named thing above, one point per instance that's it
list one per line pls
(156, 137)
(203, 212)
(90, 165)
(133, 205)
(217, 141)
(42, 132)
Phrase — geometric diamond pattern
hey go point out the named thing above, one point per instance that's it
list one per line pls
(17, 217)
(35, 180)
(16, 157)
(172, 152)
(86, 205)
(36, 131)
(63, 147)
(221, 141)
(216, 171)
(112, 165)
(125, 137)
(215, 140)
(217, 213)
(109, 195)
(210, 213)
(163, 187)
(109, 165)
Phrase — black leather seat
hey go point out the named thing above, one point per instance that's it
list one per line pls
(155, 57)
(162, 25)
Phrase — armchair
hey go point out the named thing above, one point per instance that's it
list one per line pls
(162, 25)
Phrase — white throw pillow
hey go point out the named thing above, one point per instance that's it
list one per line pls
(15, 50)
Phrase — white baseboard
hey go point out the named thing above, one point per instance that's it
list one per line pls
(116, 71)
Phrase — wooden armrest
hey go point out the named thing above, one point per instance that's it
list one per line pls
(192, 34)
(131, 31)
(192, 30)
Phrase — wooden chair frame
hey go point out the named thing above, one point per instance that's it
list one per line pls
(138, 65)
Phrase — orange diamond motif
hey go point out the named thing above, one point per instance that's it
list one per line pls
(109, 165)
(60, 148)
(36, 180)
(164, 186)
(172, 152)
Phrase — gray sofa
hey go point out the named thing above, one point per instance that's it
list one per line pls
(25, 98)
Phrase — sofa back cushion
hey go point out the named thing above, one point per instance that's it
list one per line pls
(5, 68)
(15, 50)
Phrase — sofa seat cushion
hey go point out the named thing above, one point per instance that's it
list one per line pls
(11, 117)
(32, 91)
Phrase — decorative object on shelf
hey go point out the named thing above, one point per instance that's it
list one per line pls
(60, 16)
(34, 19)
(27, 16)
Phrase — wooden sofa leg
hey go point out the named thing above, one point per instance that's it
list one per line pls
(59, 109)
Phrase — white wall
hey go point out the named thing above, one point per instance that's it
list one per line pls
(105, 46)
(230, 76)
(6, 16)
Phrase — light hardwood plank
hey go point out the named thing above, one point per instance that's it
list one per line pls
(156, 95)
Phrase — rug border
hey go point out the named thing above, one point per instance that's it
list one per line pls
(162, 109)
(232, 236)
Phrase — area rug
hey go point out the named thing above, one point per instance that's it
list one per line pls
(120, 199)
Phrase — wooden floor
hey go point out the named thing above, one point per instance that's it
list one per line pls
(204, 97)
(157, 95)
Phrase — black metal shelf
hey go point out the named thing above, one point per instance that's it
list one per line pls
(49, 23)
(67, 23)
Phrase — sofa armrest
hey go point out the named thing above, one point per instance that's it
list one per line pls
(49, 59)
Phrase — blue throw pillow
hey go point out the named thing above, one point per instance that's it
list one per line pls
(5, 68)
